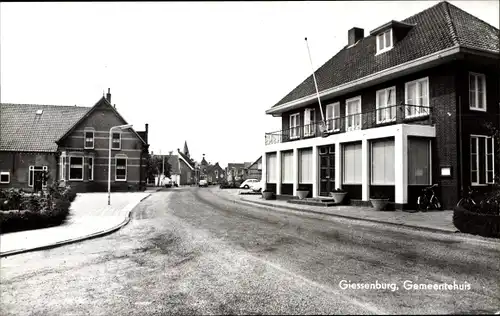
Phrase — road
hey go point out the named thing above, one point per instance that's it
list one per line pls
(188, 251)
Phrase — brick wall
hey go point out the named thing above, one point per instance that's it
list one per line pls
(18, 163)
(101, 120)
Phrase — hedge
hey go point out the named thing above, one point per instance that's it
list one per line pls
(486, 225)
(34, 211)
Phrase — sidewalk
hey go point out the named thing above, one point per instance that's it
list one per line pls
(90, 216)
(440, 221)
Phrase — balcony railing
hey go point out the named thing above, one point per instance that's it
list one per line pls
(390, 115)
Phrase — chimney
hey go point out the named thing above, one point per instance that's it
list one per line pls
(146, 133)
(108, 96)
(354, 35)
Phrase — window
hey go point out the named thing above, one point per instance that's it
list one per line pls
(62, 167)
(90, 165)
(482, 165)
(490, 162)
(4, 177)
(121, 169)
(477, 92)
(332, 116)
(271, 168)
(417, 98)
(383, 162)
(259, 166)
(31, 174)
(89, 139)
(294, 126)
(305, 166)
(385, 103)
(117, 141)
(353, 113)
(352, 163)
(287, 167)
(419, 161)
(75, 168)
(384, 41)
(309, 122)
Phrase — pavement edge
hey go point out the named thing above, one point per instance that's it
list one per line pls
(78, 239)
(242, 200)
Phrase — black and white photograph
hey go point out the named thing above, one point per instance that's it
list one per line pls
(250, 158)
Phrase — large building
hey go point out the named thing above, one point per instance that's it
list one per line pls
(405, 107)
(71, 144)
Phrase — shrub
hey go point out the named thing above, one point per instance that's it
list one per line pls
(486, 225)
(10, 199)
(39, 211)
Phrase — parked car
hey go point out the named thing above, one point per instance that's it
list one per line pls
(166, 182)
(247, 183)
(257, 186)
(203, 183)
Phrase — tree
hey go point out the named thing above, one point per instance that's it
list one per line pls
(155, 165)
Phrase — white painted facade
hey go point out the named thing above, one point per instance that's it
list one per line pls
(400, 132)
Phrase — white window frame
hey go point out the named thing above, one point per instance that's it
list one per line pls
(385, 48)
(351, 117)
(486, 165)
(113, 142)
(116, 168)
(333, 122)
(85, 139)
(389, 110)
(476, 91)
(492, 154)
(415, 111)
(294, 129)
(309, 125)
(3, 173)
(90, 175)
(82, 167)
(31, 174)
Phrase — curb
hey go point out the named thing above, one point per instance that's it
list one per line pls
(77, 239)
(413, 227)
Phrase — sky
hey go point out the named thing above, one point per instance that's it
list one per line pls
(201, 72)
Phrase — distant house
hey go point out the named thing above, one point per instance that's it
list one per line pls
(254, 171)
(71, 144)
(186, 167)
(237, 171)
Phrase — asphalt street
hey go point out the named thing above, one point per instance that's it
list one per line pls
(189, 251)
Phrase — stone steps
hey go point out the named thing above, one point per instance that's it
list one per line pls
(321, 201)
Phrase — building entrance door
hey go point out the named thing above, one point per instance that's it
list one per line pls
(327, 170)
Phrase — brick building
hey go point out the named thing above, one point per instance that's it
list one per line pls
(404, 108)
(71, 143)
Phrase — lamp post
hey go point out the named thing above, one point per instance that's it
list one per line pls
(121, 127)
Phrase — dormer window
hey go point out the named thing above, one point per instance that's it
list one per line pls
(384, 41)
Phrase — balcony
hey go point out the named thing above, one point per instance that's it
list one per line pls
(397, 114)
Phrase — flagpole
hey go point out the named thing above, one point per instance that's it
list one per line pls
(315, 83)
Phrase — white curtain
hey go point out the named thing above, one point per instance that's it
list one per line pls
(419, 163)
(271, 165)
(383, 162)
(287, 167)
(305, 166)
(352, 164)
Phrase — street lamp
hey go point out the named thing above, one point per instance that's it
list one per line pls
(121, 127)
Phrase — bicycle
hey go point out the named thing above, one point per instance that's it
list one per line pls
(467, 201)
(426, 203)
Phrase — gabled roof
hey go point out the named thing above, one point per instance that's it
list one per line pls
(437, 28)
(256, 161)
(22, 129)
(102, 101)
(186, 159)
